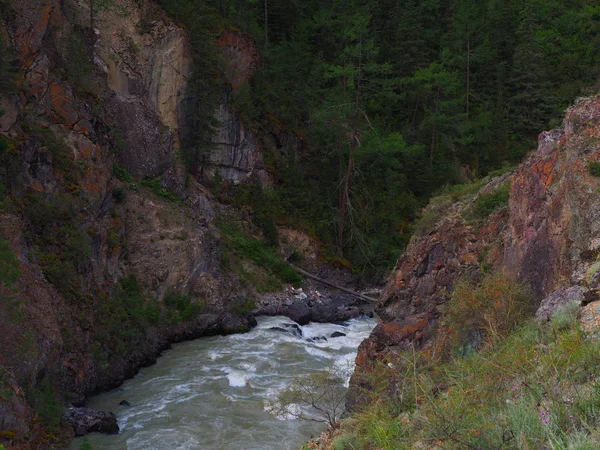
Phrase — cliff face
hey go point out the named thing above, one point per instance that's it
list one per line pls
(548, 235)
(99, 271)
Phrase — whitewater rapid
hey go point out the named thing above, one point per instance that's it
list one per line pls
(215, 393)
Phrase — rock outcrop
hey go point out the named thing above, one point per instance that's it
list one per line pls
(110, 267)
(86, 420)
(559, 299)
(109, 248)
(548, 236)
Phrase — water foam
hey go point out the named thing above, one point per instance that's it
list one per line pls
(236, 378)
(222, 392)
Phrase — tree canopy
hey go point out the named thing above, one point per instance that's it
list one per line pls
(396, 98)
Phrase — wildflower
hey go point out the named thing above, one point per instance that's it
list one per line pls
(544, 416)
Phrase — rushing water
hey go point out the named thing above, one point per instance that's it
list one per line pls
(213, 393)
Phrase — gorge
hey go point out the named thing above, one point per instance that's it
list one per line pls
(170, 169)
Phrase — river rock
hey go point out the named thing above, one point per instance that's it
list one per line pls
(299, 312)
(290, 328)
(87, 420)
(314, 308)
(124, 403)
(337, 334)
(293, 328)
(281, 330)
(331, 312)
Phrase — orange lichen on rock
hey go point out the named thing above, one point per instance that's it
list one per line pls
(62, 105)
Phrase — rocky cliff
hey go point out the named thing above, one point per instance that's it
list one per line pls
(546, 232)
(108, 250)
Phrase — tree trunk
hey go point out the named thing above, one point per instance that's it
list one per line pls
(266, 25)
(92, 33)
(331, 285)
(468, 73)
(345, 200)
(437, 104)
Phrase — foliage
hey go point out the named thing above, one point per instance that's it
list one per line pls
(9, 168)
(9, 66)
(486, 312)
(122, 174)
(124, 320)
(78, 67)
(565, 316)
(9, 264)
(156, 187)
(537, 388)
(44, 400)
(594, 168)
(260, 254)
(243, 308)
(119, 195)
(204, 86)
(486, 204)
(129, 294)
(392, 99)
(62, 247)
(183, 304)
(441, 202)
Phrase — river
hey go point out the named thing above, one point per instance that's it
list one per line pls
(214, 393)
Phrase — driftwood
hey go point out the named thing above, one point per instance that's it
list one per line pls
(334, 286)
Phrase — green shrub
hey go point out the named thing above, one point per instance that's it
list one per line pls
(9, 264)
(119, 195)
(2, 195)
(255, 250)
(270, 232)
(132, 298)
(9, 63)
(565, 317)
(486, 204)
(245, 307)
(45, 402)
(183, 304)
(537, 388)
(62, 160)
(489, 311)
(506, 168)
(62, 247)
(441, 202)
(154, 184)
(346, 442)
(77, 64)
(122, 174)
(594, 168)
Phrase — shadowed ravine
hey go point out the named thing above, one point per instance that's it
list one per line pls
(211, 393)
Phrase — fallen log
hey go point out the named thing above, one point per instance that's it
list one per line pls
(331, 285)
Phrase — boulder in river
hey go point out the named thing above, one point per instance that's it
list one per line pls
(293, 328)
(87, 420)
(124, 403)
(299, 312)
(337, 334)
